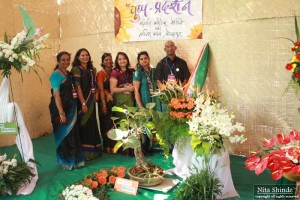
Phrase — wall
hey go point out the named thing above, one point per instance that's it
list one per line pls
(246, 68)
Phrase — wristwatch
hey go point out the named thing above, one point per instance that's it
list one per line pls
(84, 104)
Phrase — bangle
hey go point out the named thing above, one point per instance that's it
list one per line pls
(61, 113)
(84, 104)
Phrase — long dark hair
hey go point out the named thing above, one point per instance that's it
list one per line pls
(76, 61)
(117, 66)
(58, 57)
(104, 55)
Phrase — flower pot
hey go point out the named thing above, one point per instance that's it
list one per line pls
(292, 177)
(146, 181)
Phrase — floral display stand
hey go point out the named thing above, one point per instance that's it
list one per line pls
(185, 159)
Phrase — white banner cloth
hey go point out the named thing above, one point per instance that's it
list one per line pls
(23, 139)
(185, 159)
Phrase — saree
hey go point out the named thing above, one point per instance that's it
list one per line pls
(105, 119)
(67, 141)
(89, 134)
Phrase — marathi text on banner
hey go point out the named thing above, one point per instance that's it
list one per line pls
(140, 20)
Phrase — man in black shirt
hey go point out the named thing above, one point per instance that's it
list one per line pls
(171, 67)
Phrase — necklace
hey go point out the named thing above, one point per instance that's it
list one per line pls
(63, 72)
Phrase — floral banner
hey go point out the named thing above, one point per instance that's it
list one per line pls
(140, 20)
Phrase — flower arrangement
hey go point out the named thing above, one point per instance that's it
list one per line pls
(94, 185)
(20, 52)
(173, 129)
(294, 64)
(210, 124)
(13, 175)
(280, 155)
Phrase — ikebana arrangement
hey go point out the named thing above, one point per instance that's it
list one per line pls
(129, 132)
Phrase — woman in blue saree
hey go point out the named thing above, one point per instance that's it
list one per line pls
(84, 77)
(63, 110)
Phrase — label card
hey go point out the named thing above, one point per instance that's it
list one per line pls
(126, 186)
(9, 128)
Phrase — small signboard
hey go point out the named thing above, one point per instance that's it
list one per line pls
(126, 186)
(9, 128)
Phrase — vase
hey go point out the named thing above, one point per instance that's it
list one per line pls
(146, 181)
(292, 177)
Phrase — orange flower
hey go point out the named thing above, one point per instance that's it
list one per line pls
(94, 185)
(121, 168)
(102, 172)
(89, 181)
(114, 170)
(102, 180)
(180, 115)
(121, 174)
(112, 179)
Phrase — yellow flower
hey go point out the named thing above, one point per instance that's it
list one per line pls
(294, 67)
(123, 18)
(294, 59)
(196, 32)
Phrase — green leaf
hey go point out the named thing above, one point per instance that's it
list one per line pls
(114, 118)
(150, 105)
(28, 24)
(5, 37)
(297, 29)
(118, 146)
(133, 142)
(132, 109)
(286, 39)
(149, 134)
(195, 141)
(112, 134)
(117, 109)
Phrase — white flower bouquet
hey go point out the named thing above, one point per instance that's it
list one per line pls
(13, 175)
(210, 124)
(21, 52)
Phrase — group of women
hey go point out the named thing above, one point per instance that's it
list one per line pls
(77, 94)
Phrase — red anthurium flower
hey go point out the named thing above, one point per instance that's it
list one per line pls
(283, 139)
(295, 135)
(288, 66)
(273, 165)
(269, 143)
(297, 75)
(262, 165)
(276, 174)
(296, 170)
(251, 162)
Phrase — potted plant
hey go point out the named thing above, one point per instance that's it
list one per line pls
(128, 133)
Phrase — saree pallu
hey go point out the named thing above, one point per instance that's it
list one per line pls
(89, 133)
(67, 139)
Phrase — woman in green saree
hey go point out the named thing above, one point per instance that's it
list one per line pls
(84, 76)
